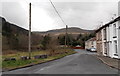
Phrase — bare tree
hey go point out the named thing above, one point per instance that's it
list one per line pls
(52, 46)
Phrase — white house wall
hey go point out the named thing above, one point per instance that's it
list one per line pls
(118, 30)
(118, 39)
(111, 50)
(89, 44)
(110, 44)
(110, 40)
(103, 42)
(94, 44)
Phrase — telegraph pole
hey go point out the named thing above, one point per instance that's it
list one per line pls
(29, 44)
(66, 36)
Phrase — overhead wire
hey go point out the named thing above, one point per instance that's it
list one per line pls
(54, 9)
(57, 12)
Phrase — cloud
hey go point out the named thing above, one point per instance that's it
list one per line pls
(14, 13)
(86, 15)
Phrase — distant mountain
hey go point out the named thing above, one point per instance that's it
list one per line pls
(71, 30)
(10, 28)
(15, 37)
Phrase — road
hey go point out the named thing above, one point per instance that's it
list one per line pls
(82, 62)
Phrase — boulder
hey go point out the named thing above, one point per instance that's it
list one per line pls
(10, 59)
(24, 58)
(40, 56)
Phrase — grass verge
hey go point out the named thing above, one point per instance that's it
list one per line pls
(8, 65)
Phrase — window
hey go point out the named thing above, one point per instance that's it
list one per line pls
(105, 48)
(105, 35)
(92, 42)
(114, 31)
(116, 50)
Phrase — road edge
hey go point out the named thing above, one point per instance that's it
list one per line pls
(35, 64)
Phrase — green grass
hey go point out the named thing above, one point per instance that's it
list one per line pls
(0, 61)
(21, 63)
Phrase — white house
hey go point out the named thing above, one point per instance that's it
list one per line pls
(110, 42)
(108, 37)
(91, 43)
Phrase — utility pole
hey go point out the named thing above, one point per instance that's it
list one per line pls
(66, 36)
(29, 44)
(71, 40)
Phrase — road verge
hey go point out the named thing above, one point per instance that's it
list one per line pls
(37, 61)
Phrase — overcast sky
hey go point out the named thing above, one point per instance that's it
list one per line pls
(76, 13)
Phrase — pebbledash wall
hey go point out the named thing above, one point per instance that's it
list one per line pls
(108, 37)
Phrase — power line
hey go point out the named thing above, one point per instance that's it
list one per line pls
(26, 2)
(57, 12)
(54, 9)
(62, 21)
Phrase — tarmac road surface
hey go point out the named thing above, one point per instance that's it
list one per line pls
(82, 62)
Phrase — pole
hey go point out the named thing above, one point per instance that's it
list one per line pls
(29, 45)
(66, 36)
(71, 40)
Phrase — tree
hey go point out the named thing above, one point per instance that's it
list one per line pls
(45, 41)
(61, 39)
(69, 39)
(79, 36)
(84, 37)
(52, 46)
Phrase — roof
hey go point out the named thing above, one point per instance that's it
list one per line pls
(117, 19)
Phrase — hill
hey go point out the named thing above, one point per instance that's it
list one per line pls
(15, 37)
(71, 30)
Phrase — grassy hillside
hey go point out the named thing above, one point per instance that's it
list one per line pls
(15, 37)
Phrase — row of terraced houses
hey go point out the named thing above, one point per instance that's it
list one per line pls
(108, 37)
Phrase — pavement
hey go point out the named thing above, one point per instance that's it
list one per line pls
(82, 62)
(112, 62)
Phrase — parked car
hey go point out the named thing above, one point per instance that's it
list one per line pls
(93, 49)
(88, 49)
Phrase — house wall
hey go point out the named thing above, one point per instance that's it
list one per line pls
(111, 50)
(104, 37)
(119, 30)
(86, 45)
(99, 44)
(110, 43)
(90, 44)
(119, 39)
(108, 40)
(115, 40)
(94, 44)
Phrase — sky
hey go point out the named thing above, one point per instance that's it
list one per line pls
(85, 14)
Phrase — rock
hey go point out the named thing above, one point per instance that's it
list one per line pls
(66, 52)
(37, 56)
(24, 57)
(13, 59)
(6, 59)
(10, 59)
(45, 56)
(40, 56)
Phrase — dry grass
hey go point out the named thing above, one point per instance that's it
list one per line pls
(21, 63)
